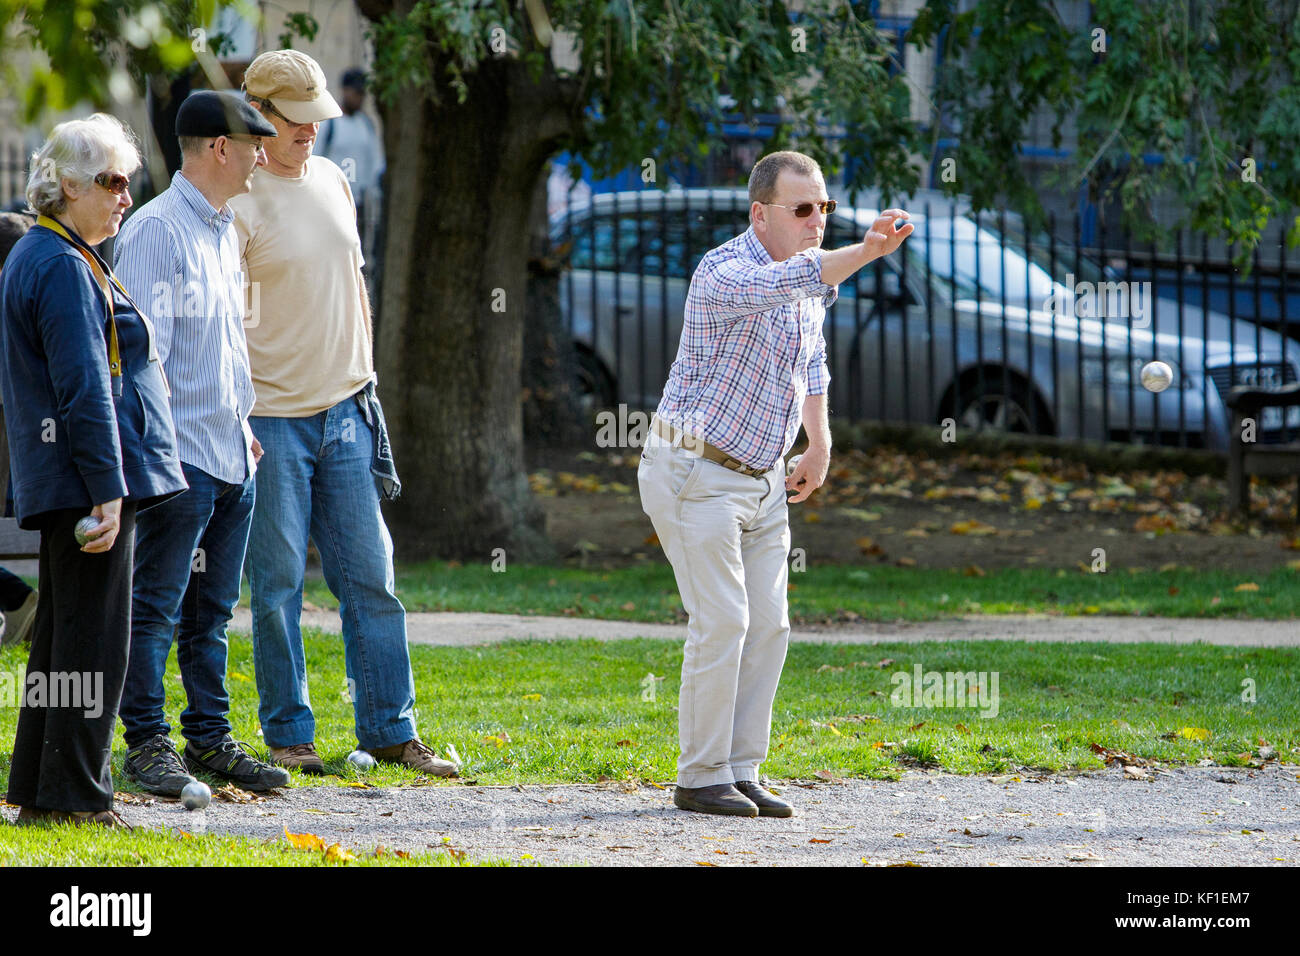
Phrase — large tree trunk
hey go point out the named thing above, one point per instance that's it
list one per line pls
(461, 181)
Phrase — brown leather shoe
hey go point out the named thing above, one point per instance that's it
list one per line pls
(418, 756)
(31, 816)
(768, 803)
(721, 798)
(110, 819)
(298, 757)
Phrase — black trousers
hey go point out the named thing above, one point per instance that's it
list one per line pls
(62, 754)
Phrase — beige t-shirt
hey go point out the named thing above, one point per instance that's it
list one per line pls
(308, 333)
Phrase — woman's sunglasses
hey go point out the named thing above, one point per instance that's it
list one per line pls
(115, 183)
(804, 209)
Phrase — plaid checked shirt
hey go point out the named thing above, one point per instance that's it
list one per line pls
(751, 350)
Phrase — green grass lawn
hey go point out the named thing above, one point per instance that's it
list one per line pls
(94, 846)
(647, 592)
(555, 712)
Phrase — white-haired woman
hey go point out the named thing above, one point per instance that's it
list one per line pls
(90, 432)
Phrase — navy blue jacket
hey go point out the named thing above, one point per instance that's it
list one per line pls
(71, 444)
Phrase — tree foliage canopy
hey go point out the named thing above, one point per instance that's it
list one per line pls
(657, 79)
(1198, 100)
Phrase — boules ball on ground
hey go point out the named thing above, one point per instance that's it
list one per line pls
(361, 760)
(196, 795)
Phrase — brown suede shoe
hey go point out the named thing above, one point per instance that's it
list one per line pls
(418, 756)
(298, 757)
(768, 803)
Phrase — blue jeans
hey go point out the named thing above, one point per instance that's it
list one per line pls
(189, 551)
(315, 480)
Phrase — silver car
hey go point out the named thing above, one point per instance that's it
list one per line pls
(968, 321)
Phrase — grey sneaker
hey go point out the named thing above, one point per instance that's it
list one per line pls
(156, 766)
(18, 624)
(232, 760)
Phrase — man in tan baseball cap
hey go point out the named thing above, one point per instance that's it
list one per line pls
(317, 415)
(294, 84)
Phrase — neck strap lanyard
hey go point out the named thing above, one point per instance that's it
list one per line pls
(114, 353)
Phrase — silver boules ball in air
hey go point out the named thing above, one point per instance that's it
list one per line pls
(1157, 376)
(196, 795)
(361, 760)
(83, 528)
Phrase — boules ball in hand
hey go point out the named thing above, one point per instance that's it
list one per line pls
(791, 465)
(83, 528)
(1157, 376)
(361, 760)
(196, 795)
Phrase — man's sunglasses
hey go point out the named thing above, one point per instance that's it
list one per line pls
(115, 183)
(804, 209)
(270, 107)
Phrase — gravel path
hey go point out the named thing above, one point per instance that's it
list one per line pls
(1184, 817)
(459, 629)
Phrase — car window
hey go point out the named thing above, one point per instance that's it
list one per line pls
(663, 247)
(998, 267)
(614, 244)
(674, 242)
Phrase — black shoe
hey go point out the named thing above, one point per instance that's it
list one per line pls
(156, 766)
(230, 758)
(768, 803)
(721, 798)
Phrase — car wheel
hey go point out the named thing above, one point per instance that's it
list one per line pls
(1008, 406)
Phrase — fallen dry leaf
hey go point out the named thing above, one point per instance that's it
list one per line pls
(304, 841)
(232, 794)
(336, 854)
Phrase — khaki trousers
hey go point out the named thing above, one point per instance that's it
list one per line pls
(727, 537)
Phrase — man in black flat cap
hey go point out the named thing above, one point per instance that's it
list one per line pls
(179, 259)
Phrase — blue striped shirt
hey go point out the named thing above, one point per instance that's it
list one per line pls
(179, 259)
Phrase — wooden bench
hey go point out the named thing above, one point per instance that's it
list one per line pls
(1252, 458)
(14, 541)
